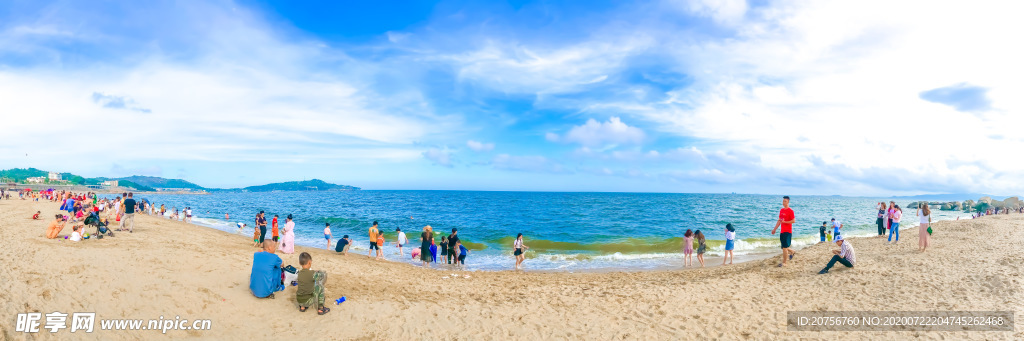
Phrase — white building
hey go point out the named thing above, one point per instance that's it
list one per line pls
(54, 176)
(111, 183)
(36, 180)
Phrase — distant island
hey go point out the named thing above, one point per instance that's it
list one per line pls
(37, 177)
(308, 185)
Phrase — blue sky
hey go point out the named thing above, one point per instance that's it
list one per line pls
(651, 96)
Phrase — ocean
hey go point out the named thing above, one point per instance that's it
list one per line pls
(565, 231)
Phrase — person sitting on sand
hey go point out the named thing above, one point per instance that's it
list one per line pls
(844, 255)
(342, 246)
(36, 216)
(76, 233)
(55, 227)
(310, 291)
(265, 278)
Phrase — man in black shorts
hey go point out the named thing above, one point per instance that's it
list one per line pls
(373, 239)
(786, 220)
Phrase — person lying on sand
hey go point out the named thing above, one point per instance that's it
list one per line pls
(310, 289)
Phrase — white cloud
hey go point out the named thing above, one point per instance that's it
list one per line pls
(840, 83)
(236, 92)
(531, 163)
(440, 157)
(479, 146)
(597, 134)
(515, 68)
(721, 11)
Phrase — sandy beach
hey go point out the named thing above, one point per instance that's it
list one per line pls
(167, 268)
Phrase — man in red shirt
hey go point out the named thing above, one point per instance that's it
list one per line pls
(786, 220)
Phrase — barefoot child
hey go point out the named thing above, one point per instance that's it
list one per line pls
(327, 235)
(463, 251)
(402, 240)
(273, 229)
(380, 243)
(701, 247)
(36, 216)
(76, 234)
(255, 237)
(730, 243)
(688, 248)
(310, 291)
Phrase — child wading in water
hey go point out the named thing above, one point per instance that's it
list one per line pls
(328, 235)
(730, 243)
(701, 247)
(688, 248)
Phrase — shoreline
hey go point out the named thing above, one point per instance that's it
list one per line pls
(170, 268)
(755, 255)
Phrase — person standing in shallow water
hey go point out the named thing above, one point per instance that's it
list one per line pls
(786, 220)
(426, 239)
(520, 249)
(688, 248)
(701, 247)
(881, 219)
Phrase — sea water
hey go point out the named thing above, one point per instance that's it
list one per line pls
(565, 231)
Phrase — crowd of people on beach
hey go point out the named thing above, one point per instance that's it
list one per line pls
(269, 273)
(888, 220)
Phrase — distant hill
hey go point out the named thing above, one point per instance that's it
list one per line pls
(20, 174)
(157, 182)
(153, 183)
(308, 185)
(951, 197)
(135, 186)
